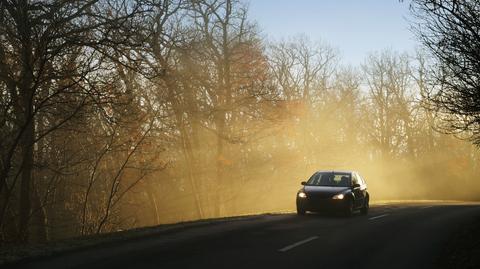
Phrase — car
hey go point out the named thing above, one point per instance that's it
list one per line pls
(338, 191)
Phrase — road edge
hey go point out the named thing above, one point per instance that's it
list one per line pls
(20, 255)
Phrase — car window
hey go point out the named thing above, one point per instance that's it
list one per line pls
(330, 179)
(315, 179)
(355, 179)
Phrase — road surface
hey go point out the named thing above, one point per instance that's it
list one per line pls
(397, 235)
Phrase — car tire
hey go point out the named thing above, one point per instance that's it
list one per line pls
(366, 206)
(349, 208)
(300, 211)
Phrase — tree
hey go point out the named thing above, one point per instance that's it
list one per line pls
(450, 30)
(55, 64)
(226, 46)
(387, 75)
(302, 71)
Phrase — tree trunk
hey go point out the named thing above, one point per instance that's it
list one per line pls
(28, 137)
(38, 228)
(26, 180)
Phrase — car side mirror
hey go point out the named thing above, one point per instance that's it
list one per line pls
(356, 185)
(304, 183)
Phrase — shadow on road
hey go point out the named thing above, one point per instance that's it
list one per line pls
(331, 215)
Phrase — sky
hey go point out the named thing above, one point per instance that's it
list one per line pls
(355, 27)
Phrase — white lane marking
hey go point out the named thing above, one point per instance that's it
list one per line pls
(294, 245)
(377, 217)
(425, 207)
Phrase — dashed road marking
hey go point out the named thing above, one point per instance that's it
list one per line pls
(294, 245)
(425, 207)
(377, 217)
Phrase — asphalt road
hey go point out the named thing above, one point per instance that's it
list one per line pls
(398, 235)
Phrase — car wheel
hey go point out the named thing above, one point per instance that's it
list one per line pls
(365, 207)
(300, 210)
(349, 208)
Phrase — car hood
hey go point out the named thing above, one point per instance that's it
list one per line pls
(323, 191)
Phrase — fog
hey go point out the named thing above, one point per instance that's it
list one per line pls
(264, 175)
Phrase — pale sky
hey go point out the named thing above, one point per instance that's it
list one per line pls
(355, 27)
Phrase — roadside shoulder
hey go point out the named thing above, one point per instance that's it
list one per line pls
(21, 254)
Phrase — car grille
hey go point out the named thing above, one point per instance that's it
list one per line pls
(319, 201)
(319, 196)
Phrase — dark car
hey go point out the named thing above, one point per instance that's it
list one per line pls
(344, 191)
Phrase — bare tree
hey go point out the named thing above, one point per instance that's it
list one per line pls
(50, 54)
(449, 29)
(388, 76)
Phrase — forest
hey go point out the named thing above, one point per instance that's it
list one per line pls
(117, 114)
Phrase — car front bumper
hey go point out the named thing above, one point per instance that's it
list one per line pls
(323, 204)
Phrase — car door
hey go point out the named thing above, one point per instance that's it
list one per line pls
(357, 191)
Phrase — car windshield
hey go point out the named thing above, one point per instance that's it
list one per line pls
(332, 179)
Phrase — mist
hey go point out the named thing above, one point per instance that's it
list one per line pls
(371, 119)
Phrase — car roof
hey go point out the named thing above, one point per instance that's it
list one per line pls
(336, 171)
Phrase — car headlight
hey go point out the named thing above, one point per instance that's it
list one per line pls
(338, 196)
(302, 195)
